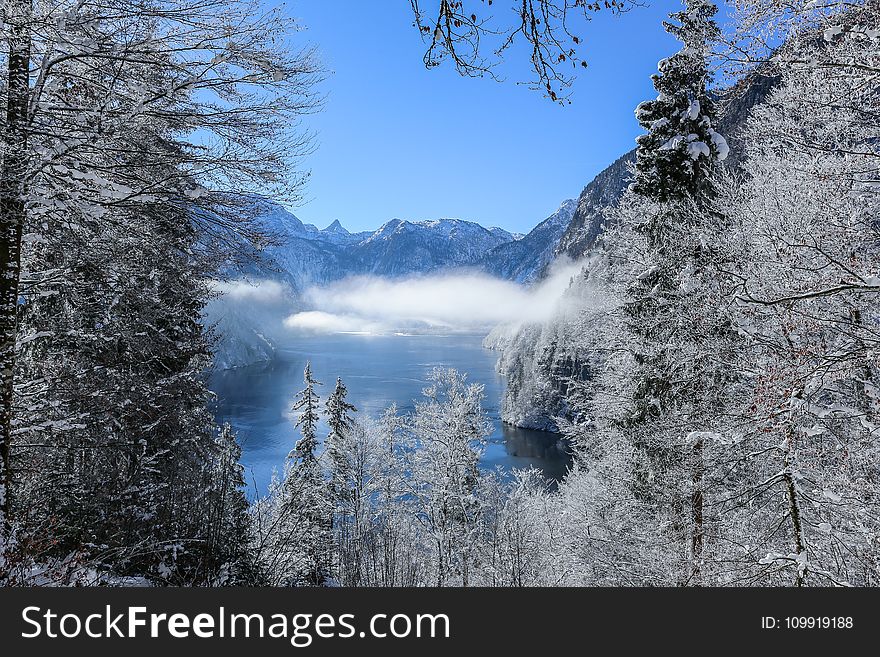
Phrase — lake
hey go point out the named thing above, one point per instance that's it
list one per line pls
(378, 370)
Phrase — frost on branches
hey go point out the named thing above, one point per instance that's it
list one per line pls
(714, 366)
(726, 433)
(114, 214)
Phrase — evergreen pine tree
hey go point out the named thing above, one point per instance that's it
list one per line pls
(307, 498)
(307, 404)
(676, 157)
(676, 323)
(338, 445)
(118, 419)
(227, 558)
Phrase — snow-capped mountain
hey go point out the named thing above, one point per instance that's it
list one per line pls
(304, 255)
(400, 248)
(336, 234)
(525, 260)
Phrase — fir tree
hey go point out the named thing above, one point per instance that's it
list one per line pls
(307, 502)
(307, 404)
(674, 229)
(338, 446)
(227, 556)
(676, 157)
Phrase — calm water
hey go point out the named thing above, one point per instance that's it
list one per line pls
(378, 371)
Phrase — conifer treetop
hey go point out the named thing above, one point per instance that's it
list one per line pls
(307, 403)
(677, 155)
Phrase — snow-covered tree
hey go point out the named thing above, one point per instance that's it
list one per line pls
(394, 553)
(112, 411)
(676, 157)
(447, 433)
(111, 108)
(661, 382)
(306, 496)
(337, 447)
(807, 486)
(228, 522)
(307, 404)
(771, 34)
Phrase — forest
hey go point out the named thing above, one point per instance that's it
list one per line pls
(714, 367)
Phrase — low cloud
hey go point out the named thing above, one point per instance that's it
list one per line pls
(257, 291)
(247, 316)
(316, 321)
(454, 302)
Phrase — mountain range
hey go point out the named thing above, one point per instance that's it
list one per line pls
(303, 255)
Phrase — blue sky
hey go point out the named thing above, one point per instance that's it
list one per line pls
(395, 140)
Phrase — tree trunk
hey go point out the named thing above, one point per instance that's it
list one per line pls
(12, 215)
(697, 515)
(794, 512)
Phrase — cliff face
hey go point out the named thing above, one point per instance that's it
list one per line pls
(589, 219)
(525, 260)
(539, 369)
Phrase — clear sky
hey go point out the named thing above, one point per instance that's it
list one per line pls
(395, 140)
